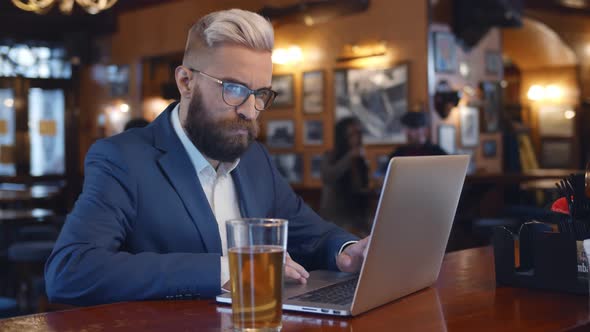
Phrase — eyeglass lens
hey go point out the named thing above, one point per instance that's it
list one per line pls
(235, 94)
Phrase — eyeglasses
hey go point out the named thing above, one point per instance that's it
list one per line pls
(235, 94)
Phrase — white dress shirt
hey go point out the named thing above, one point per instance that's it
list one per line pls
(217, 185)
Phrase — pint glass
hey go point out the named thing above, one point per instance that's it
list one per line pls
(256, 250)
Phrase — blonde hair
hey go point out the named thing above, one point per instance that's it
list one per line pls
(233, 26)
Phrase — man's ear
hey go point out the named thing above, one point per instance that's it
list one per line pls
(182, 75)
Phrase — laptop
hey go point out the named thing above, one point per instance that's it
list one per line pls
(408, 239)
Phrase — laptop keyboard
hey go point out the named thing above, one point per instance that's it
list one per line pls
(340, 293)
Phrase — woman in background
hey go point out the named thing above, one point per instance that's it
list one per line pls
(345, 177)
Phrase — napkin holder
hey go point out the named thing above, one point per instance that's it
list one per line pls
(547, 260)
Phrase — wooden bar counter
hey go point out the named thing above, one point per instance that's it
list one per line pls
(465, 298)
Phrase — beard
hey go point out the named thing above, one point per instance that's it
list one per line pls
(217, 139)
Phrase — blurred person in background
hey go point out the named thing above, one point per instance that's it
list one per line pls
(345, 178)
(418, 137)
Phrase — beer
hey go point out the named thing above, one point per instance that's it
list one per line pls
(256, 274)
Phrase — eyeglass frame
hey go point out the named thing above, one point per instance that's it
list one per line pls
(250, 91)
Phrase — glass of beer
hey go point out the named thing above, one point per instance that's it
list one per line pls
(256, 250)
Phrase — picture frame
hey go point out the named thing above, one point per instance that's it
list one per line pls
(557, 153)
(493, 62)
(290, 166)
(489, 148)
(469, 126)
(280, 133)
(447, 138)
(284, 86)
(315, 168)
(445, 52)
(313, 91)
(490, 153)
(118, 79)
(377, 97)
(313, 132)
(554, 122)
(492, 105)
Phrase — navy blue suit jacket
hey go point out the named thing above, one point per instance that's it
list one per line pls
(143, 228)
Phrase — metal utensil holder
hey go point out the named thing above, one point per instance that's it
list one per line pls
(547, 261)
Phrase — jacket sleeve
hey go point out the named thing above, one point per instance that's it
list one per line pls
(312, 241)
(89, 264)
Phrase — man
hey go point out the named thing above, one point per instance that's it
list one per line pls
(418, 140)
(149, 223)
(418, 137)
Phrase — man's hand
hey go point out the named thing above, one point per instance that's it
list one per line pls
(351, 259)
(295, 271)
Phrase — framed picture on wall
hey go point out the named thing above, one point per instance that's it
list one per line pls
(556, 153)
(490, 153)
(313, 91)
(316, 166)
(283, 85)
(377, 97)
(445, 52)
(556, 120)
(493, 62)
(118, 78)
(290, 166)
(446, 138)
(313, 132)
(280, 133)
(492, 104)
(469, 126)
(489, 148)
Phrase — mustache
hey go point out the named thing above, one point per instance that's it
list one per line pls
(239, 123)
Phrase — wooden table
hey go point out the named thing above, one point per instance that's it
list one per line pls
(465, 298)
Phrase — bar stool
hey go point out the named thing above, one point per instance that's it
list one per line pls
(37, 233)
(28, 259)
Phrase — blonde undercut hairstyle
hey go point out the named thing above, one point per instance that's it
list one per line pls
(233, 26)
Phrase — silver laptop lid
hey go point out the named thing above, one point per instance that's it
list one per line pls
(412, 225)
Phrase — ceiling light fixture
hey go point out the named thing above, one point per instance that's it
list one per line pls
(66, 6)
(358, 51)
(578, 4)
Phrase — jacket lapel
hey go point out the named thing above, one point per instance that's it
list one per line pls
(245, 190)
(179, 170)
(244, 200)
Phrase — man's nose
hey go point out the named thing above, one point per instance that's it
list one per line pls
(247, 109)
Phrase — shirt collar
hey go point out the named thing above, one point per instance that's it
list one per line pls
(198, 160)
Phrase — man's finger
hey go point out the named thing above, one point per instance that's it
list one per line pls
(291, 273)
(347, 263)
(358, 248)
(345, 259)
(351, 259)
(294, 265)
(300, 270)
